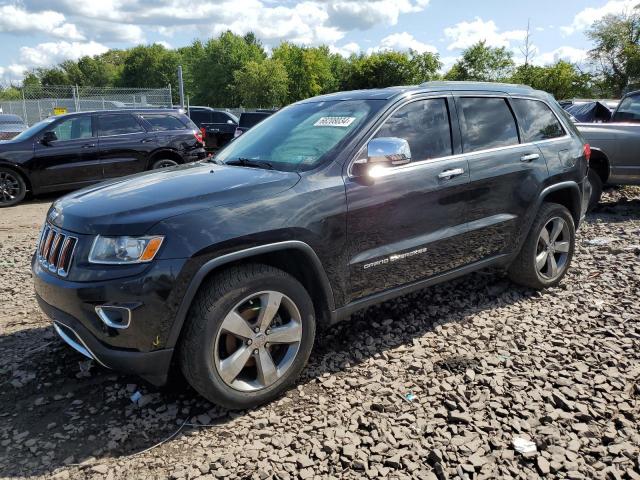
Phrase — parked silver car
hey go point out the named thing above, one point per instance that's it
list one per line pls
(10, 126)
(615, 147)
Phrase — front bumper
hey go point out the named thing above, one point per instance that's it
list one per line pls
(152, 366)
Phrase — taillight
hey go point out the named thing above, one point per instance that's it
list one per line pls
(199, 136)
(203, 131)
(587, 151)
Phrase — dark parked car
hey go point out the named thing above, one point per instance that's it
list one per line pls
(217, 126)
(78, 149)
(10, 126)
(250, 119)
(227, 268)
(615, 147)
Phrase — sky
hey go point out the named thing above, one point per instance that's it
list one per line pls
(41, 33)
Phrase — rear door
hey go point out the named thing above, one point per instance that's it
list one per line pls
(124, 144)
(408, 223)
(505, 174)
(221, 129)
(73, 158)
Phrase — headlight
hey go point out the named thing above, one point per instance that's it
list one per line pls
(124, 250)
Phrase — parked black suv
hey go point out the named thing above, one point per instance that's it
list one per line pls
(78, 149)
(335, 203)
(217, 126)
(251, 119)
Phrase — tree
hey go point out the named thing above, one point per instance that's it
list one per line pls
(483, 63)
(262, 84)
(563, 79)
(390, 68)
(150, 66)
(309, 70)
(617, 50)
(213, 73)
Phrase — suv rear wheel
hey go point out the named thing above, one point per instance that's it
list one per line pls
(163, 163)
(547, 251)
(12, 187)
(248, 336)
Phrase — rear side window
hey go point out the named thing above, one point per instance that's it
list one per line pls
(200, 116)
(117, 125)
(219, 117)
(629, 110)
(163, 122)
(537, 121)
(248, 120)
(486, 123)
(424, 124)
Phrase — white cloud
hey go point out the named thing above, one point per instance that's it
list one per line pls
(361, 15)
(50, 53)
(569, 54)
(345, 50)
(402, 42)
(15, 19)
(464, 34)
(585, 18)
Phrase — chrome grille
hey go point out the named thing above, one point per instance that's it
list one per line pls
(55, 250)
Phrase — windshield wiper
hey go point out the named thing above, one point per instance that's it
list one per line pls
(247, 162)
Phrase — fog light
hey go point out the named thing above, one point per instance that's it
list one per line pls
(114, 316)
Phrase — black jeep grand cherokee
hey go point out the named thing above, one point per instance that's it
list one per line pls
(332, 204)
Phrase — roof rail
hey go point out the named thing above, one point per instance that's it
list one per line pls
(444, 83)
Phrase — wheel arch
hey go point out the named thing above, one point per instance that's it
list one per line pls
(599, 162)
(20, 171)
(294, 257)
(566, 194)
(164, 153)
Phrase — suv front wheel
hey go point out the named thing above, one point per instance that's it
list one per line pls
(248, 336)
(547, 252)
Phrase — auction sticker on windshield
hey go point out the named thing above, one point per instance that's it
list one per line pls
(334, 121)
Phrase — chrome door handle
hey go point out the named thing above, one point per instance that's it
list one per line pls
(88, 145)
(147, 140)
(449, 174)
(529, 157)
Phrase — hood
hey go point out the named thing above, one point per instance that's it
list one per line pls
(132, 205)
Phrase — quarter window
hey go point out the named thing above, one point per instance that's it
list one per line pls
(424, 124)
(163, 122)
(74, 128)
(200, 116)
(117, 125)
(537, 121)
(486, 123)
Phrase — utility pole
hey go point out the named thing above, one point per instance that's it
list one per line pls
(181, 86)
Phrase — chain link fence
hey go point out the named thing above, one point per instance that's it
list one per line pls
(40, 102)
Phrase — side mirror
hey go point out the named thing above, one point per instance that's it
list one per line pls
(230, 122)
(383, 152)
(49, 137)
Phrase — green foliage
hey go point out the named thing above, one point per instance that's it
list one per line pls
(10, 93)
(617, 51)
(262, 84)
(483, 63)
(389, 68)
(309, 70)
(563, 80)
(149, 66)
(213, 73)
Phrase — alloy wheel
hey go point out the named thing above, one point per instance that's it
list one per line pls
(165, 164)
(553, 248)
(258, 341)
(9, 187)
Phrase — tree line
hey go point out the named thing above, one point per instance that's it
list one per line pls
(233, 70)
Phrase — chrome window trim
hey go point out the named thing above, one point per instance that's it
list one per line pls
(420, 163)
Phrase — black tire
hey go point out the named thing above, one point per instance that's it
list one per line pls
(164, 163)
(596, 189)
(13, 188)
(523, 270)
(201, 338)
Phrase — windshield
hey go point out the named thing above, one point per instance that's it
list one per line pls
(300, 136)
(629, 110)
(32, 130)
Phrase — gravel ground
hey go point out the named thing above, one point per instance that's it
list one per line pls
(444, 383)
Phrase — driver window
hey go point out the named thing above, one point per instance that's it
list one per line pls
(424, 124)
(74, 129)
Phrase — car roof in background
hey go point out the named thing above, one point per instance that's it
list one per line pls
(9, 117)
(429, 87)
(122, 110)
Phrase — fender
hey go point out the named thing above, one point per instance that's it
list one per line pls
(18, 168)
(222, 260)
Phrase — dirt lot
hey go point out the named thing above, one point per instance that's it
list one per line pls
(438, 384)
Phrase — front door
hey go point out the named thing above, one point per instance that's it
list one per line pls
(124, 144)
(407, 223)
(72, 159)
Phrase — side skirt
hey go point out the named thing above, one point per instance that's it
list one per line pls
(343, 313)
